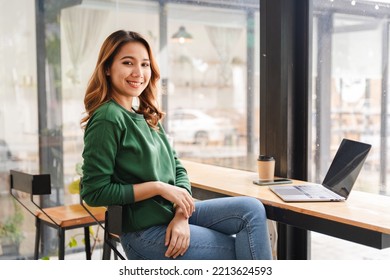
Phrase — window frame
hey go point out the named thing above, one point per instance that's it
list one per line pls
(285, 52)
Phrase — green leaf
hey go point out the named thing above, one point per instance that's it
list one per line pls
(74, 187)
(72, 242)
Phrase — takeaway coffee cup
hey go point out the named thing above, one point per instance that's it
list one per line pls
(266, 168)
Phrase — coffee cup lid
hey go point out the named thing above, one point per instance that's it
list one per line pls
(265, 158)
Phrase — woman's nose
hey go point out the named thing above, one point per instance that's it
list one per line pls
(136, 71)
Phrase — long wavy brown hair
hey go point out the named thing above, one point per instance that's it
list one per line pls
(99, 87)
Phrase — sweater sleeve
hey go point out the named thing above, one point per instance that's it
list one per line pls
(101, 143)
(182, 179)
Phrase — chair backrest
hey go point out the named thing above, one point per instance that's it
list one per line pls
(32, 184)
(113, 228)
(29, 183)
(114, 219)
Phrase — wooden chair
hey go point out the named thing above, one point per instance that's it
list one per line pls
(61, 218)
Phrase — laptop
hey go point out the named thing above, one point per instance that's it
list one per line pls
(339, 179)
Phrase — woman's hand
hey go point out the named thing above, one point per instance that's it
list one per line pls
(177, 236)
(180, 197)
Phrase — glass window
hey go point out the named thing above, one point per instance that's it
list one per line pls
(209, 79)
(18, 118)
(350, 87)
(350, 81)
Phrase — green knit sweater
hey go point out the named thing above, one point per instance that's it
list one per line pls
(120, 150)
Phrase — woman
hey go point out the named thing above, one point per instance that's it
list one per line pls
(128, 161)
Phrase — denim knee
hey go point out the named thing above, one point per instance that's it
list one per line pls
(253, 206)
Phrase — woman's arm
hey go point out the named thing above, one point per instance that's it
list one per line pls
(178, 196)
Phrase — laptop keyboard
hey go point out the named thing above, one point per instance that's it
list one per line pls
(315, 191)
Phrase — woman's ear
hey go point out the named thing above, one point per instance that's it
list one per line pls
(107, 72)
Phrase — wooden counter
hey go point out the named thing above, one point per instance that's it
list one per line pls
(363, 218)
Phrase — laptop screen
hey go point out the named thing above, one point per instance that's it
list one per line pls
(346, 166)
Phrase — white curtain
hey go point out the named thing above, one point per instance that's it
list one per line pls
(224, 40)
(82, 28)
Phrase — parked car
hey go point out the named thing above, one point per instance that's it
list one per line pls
(195, 126)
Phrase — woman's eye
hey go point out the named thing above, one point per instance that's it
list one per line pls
(145, 64)
(127, 63)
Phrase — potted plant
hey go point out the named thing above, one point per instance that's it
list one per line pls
(11, 234)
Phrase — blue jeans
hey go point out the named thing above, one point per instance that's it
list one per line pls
(232, 228)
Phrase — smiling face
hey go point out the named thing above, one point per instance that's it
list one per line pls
(129, 73)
